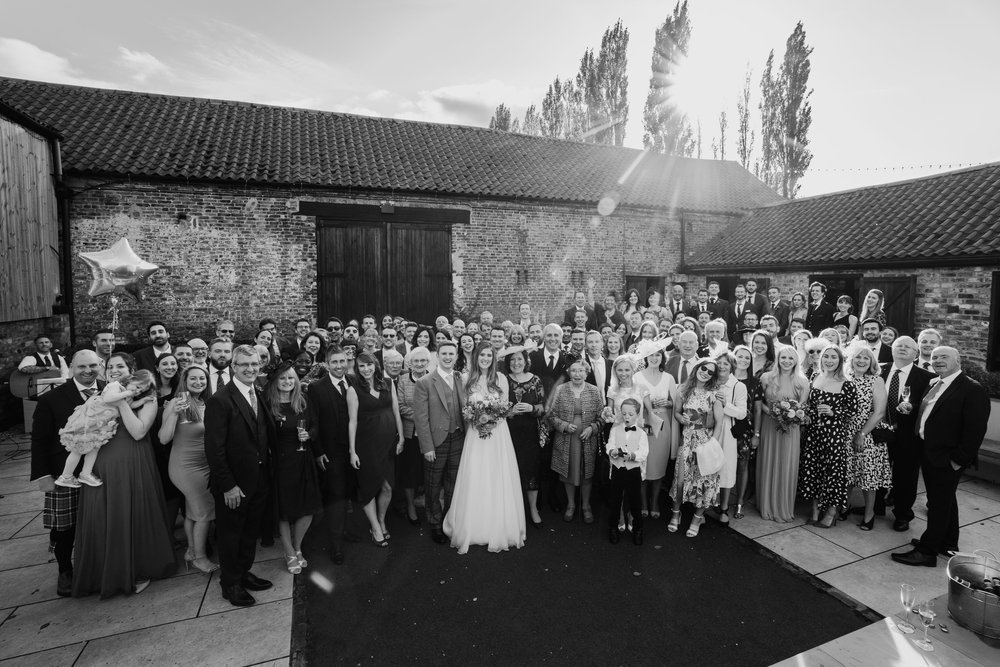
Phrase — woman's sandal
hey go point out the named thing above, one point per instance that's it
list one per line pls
(739, 512)
(293, 565)
(381, 544)
(695, 526)
(675, 521)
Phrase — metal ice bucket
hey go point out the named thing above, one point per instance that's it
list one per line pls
(976, 610)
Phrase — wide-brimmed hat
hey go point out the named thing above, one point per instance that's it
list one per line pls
(646, 347)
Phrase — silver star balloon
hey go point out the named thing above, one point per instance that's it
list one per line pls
(118, 270)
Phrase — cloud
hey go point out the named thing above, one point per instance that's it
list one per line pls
(464, 104)
(143, 65)
(23, 60)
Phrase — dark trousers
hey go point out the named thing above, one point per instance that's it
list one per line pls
(63, 541)
(905, 457)
(236, 533)
(626, 484)
(942, 509)
(442, 473)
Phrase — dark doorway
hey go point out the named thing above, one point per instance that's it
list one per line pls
(727, 285)
(643, 284)
(377, 260)
(838, 285)
(900, 295)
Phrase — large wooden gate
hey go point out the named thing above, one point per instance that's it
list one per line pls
(900, 297)
(372, 261)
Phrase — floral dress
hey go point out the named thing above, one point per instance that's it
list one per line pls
(689, 484)
(868, 469)
(826, 447)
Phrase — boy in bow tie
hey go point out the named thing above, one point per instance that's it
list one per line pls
(628, 447)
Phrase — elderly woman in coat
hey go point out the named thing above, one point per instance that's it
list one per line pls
(576, 420)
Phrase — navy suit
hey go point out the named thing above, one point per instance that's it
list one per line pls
(820, 317)
(905, 451)
(338, 482)
(953, 433)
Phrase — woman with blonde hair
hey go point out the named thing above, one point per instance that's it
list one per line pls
(873, 307)
(826, 446)
(868, 467)
(778, 446)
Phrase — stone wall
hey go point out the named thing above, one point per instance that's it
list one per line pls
(243, 253)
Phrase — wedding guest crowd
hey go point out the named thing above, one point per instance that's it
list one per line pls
(754, 401)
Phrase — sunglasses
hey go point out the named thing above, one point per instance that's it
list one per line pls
(227, 330)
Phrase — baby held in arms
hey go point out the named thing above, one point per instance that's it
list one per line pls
(94, 423)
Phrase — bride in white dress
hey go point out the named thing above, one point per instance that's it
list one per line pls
(486, 507)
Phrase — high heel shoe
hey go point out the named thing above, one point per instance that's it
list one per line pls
(415, 519)
(293, 565)
(675, 521)
(203, 564)
(695, 526)
(867, 525)
(739, 512)
(831, 516)
(188, 557)
(845, 512)
(383, 543)
(302, 561)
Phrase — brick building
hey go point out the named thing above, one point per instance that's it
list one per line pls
(254, 211)
(932, 245)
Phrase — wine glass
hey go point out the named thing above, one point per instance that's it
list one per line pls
(303, 435)
(907, 595)
(926, 611)
(183, 399)
(904, 400)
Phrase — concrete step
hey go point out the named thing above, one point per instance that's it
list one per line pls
(989, 462)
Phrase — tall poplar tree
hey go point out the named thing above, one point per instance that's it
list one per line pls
(744, 132)
(667, 128)
(501, 118)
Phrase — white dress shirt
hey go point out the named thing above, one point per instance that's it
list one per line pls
(904, 374)
(944, 384)
(213, 377)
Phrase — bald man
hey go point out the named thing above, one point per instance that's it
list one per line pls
(48, 456)
(951, 423)
(904, 453)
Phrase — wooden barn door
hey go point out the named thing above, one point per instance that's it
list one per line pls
(900, 297)
(374, 261)
(419, 275)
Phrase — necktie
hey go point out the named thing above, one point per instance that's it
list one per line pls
(88, 392)
(927, 401)
(713, 301)
(684, 371)
(630, 428)
(220, 382)
(343, 388)
(253, 402)
(893, 396)
(552, 362)
(926, 365)
(677, 306)
(47, 360)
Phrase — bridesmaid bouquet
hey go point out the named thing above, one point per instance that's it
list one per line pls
(485, 413)
(788, 414)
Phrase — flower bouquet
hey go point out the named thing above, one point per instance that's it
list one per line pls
(788, 414)
(485, 413)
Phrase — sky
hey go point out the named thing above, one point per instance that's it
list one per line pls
(902, 88)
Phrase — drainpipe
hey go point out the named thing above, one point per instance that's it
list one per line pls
(62, 209)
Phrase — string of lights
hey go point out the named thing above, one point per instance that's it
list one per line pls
(906, 167)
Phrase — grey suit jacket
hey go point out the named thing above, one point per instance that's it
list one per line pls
(430, 409)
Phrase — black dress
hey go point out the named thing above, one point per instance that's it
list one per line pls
(375, 442)
(295, 474)
(524, 429)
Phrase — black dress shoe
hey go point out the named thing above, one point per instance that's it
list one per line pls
(338, 557)
(637, 536)
(438, 535)
(64, 587)
(915, 557)
(900, 525)
(237, 595)
(614, 536)
(947, 552)
(252, 582)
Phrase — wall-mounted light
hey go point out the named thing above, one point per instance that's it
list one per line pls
(387, 206)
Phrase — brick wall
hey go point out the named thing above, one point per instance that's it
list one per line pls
(955, 301)
(242, 253)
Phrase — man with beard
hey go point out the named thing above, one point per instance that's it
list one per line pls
(870, 330)
(294, 346)
(160, 345)
(104, 345)
(199, 352)
(220, 353)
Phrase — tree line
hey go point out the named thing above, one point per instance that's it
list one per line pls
(592, 106)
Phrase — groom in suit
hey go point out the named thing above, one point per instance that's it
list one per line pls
(331, 449)
(438, 399)
(48, 457)
(239, 432)
(951, 424)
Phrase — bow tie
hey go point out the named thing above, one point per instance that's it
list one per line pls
(630, 428)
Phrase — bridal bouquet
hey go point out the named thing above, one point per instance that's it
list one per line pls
(484, 413)
(788, 414)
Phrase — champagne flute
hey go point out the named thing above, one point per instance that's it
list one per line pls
(303, 435)
(926, 611)
(904, 396)
(183, 399)
(907, 595)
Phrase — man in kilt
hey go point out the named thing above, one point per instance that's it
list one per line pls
(48, 456)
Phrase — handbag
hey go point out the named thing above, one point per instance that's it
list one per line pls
(710, 457)
(741, 428)
(884, 434)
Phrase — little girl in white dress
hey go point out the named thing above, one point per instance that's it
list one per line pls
(94, 423)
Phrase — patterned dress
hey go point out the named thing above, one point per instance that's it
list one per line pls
(868, 469)
(826, 447)
(689, 484)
